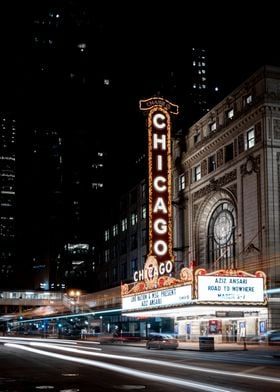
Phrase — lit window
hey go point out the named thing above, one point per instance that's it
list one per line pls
(107, 235)
(197, 137)
(124, 224)
(230, 113)
(107, 255)
(82, 46)
(97, 185)
(97, 165)
(213, 126)
(182, 182)
(250, 139)
(197, 173)
(211, 163)
(144, 212)
(133, 219)
(143, 191)
(248, 99)
(115, 230)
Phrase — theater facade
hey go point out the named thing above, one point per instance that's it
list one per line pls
(214, 235)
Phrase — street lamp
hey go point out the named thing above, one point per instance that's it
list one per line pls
(101, 324)
(75, 294)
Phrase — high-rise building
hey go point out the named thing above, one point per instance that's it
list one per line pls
(8, 257)
(46, 205)
(199, 99)
(65, 140)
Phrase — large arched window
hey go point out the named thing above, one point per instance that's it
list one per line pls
(221, 237)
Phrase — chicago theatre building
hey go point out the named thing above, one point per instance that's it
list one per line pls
(213, 261)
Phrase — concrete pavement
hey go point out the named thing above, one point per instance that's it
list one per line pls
(258, 349)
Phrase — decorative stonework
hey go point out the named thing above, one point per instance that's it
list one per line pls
(186, 277)
(252, 165)
(195, 208)
(241, 143)
(215, 185)
(276, 129)
(233, 190)
(258, 132)
(274, 90)
(220, 157)
(204, 168)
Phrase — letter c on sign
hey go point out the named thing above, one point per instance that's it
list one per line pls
(158, 121)
(157, 186)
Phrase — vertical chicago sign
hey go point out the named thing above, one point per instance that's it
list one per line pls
(160, 256)
(154, 286)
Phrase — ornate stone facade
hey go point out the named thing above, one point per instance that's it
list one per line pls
(234, 167)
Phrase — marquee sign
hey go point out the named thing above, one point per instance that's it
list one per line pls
(169, 297)
(159, 181)
(230, 286)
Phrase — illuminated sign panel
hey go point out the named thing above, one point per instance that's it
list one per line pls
(230, 289)
(172, 296)
(160, 233)
(159, 183)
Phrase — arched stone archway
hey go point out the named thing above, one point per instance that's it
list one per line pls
(202, 219)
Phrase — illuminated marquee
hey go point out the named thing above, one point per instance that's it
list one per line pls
(224, 286)
(173, 296)
(159, 188)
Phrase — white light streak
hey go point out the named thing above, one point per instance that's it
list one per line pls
(130, 372)
(156, 362)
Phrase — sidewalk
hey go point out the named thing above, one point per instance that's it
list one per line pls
(218, 347)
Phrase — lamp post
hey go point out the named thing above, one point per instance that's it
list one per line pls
(75, 294)
(101, 324)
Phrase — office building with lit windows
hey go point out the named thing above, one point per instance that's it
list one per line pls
(65, 144)
(124, 244)
(8, 264)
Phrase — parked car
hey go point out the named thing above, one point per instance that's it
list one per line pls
(273, 337)
(162, 341)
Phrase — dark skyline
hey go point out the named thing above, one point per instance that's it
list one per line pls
(128, 48)
(73, 77)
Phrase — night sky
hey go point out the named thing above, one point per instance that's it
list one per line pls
(134, 44)
(135, 41)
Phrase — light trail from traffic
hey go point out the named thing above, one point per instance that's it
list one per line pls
(127, 371)
(75, 350)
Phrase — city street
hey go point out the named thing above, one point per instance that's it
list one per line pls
(61, 365)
